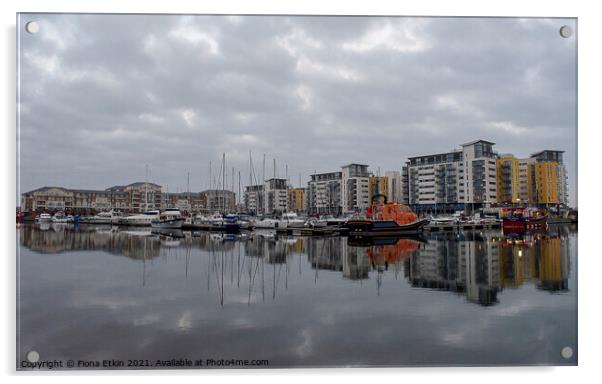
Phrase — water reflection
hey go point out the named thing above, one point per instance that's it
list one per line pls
(450, 298)
(475, 265)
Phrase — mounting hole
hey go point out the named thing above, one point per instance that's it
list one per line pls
(32, 27)
(33, 356)
(567, 352)
(566, 31)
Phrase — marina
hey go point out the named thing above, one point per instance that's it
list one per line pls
(440, 298)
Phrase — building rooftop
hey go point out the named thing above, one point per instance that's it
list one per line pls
(435, 154)
(478, 141)
(546, 150)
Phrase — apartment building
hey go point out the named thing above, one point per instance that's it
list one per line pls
(355, 194)
(297, 200)
(539, 179)
(453, 179)
(254, 199)
(275, 196)
(324, 193)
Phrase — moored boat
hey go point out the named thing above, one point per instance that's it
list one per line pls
(522, 220)
(291, 220)
(386, 219)
(171, 218)
(44, 218)
(143, 219)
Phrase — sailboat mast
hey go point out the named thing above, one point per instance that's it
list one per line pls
(223, 179)
(146, 189)
(188, 187)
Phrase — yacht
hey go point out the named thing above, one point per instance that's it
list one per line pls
(44, 218)
(60, 217)
(170, 218)
(144, 219)
(105, 217)
(265, 223)
(290, 220)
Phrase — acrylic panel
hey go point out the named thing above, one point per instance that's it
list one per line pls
(245, 191)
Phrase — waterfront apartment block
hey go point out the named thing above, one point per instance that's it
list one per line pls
(540, 179)
(219, 200)
(324, 194)
(297, 200)
(253, 199)
(462, 176)
(276, 196)
(185, 201)
(135, 197)
(355, 195)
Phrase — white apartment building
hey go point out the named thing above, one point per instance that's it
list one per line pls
(275, 196)
(253, 199)
(463, 176)
(324, 193)
(355, 181)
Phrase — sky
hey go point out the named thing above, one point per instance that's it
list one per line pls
(103, 96)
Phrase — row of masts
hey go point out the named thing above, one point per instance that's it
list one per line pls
(214, 184)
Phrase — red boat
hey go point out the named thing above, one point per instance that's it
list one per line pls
(521, 220)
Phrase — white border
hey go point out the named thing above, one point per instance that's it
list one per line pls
(589, 265)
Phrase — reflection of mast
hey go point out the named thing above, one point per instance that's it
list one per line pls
(144, 264)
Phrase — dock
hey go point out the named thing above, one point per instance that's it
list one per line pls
(460, 226)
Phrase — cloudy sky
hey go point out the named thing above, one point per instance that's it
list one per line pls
(101, 96)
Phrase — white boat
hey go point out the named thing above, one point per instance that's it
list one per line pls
(215, 219)
(60, 217)
(445, 220)
(144, 219)
(44, 218)
(290, 220)
(265, 223)
(170, 218)
(105, 217)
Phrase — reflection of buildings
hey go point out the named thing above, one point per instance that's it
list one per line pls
(467, 263)
(272, 249)
(62, 238)
(481, 265)
(326, 252)
(542, 260)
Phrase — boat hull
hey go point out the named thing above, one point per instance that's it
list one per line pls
(523, 225)
(384, 227)
(167, 224)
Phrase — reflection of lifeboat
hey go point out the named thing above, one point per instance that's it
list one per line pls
(392, 253)
(384, 218)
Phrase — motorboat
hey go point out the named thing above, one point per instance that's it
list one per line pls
(60, 217)
(265, 223)
(524, 219)
(290, 220)
(104, 217)
(144, 219)
(44, 218)
(171, 218)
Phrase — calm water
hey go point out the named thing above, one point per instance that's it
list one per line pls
(470, 298)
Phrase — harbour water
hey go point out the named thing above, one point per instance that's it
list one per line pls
(91, 293)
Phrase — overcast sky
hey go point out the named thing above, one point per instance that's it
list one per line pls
(103, 95)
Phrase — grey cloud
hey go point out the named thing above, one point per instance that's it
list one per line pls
(102, 95)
